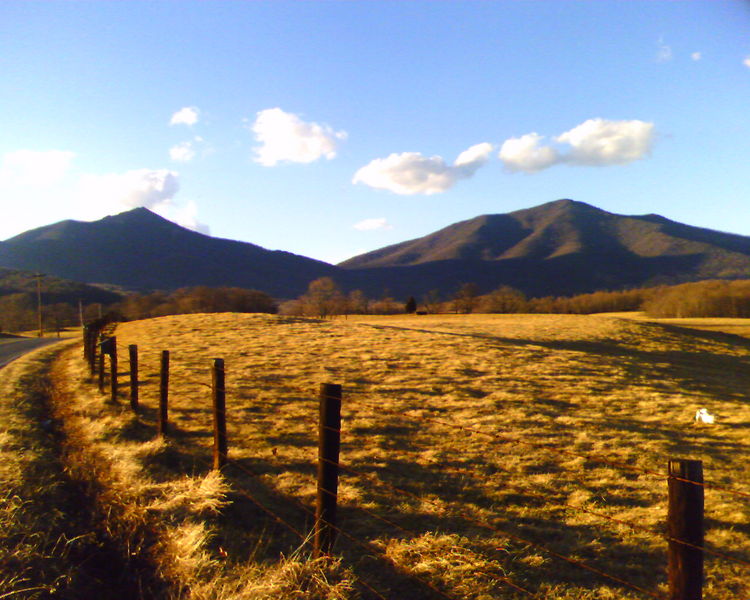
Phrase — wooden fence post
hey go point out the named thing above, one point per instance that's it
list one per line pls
(133, 355)
(685, 523)
(163, 393)
(218, 391)
(100, 366)
(92, 336)
(113, 369)
(85, 333)
(329, 443)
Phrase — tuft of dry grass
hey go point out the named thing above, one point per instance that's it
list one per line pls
(457, 434)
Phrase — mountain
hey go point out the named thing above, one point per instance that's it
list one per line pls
(559, 248)
(142, 251)
(53, 289)
(562, 247)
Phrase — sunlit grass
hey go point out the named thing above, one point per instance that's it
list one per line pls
(425, 399)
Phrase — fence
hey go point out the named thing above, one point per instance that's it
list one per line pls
(684, 535)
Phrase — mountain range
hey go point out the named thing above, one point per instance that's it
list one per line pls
(558, 248)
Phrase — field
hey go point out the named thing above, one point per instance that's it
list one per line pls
(484, 456)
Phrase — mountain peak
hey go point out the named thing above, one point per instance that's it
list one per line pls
(136, 216)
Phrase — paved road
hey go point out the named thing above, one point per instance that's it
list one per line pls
(12, 350)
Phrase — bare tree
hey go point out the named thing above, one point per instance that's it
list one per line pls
(466, 298)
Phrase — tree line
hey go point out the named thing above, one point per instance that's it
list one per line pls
(19, 312)
(712, 298)
(323, 298)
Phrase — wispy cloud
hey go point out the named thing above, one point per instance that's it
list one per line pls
(188, 115)
(696, 56)
(284, 137)
(663, 51)
(186, 151)
(185, 215)
(373, 224)
(34, 168)
(412, 173)
(595, 142)
(746, 62)
(182, 152)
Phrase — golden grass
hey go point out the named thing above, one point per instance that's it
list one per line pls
(732, 326)
(50, 546)
(460, 500)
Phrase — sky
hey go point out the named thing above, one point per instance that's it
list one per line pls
(333, 128)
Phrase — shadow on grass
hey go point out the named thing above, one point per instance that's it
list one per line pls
(71, 553)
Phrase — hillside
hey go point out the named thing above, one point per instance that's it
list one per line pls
(564, 247)
(559, 248)
(142, 251)
(564, 228)
(54, 289)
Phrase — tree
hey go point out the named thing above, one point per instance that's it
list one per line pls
(466, 299)
(357, 302)
(323, 298)
(411, 306)
(431, 301)
(504, 299)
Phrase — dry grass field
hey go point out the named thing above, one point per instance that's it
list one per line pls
(483, 455)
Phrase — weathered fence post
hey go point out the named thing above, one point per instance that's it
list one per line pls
(112, 347)
(85, 334)
(329, 443)
(92, 335)
(163, 393)
(100, 367)
(218, 391)
(685, 523)
(133, 355)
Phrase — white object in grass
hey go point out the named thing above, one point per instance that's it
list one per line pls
(703, 416)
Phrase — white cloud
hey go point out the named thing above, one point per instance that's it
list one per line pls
(100, 195)
(373, 224)
(33, 168)
(746, 62)
(663, 52)
(411, 173)
(526, 154)
(184, 215)
(188, 115)
(599, 142)
(696, 56)
(284, 137)
(115, 192)
(182, 152)
(596, 142)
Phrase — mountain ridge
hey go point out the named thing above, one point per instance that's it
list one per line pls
(562, 247)
(141, 251)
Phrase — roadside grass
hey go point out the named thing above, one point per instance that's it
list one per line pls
(456, 439)
(50, 544)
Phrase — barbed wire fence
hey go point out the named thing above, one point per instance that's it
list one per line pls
(683, 533)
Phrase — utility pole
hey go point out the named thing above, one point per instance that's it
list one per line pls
(39, 303)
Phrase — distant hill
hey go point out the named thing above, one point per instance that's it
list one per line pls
(562, 247)
(559, 248)
(54, 289)
(142, 251)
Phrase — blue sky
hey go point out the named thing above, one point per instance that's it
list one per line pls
(332, 128)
